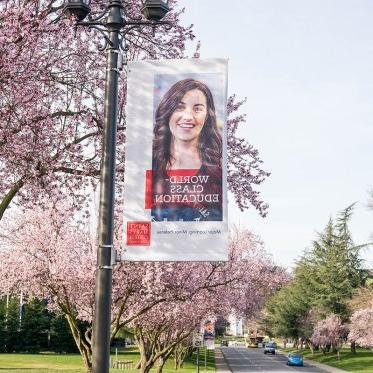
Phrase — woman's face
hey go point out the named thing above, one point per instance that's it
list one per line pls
(209, 327)
(189, 117)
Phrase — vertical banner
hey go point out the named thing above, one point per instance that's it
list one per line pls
(209, 335)
(175, 194)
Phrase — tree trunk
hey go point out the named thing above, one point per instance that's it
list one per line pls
(310, 345)
(7, 199)
(146, 354)
(83, 345)
(145, 364)
(145, 369)
(177, 358)
(296, 344)
(353, 347)
(161, 363)
(180, 353)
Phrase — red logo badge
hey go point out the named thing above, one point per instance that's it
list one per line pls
(138, 233)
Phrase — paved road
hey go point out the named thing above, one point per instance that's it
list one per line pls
(250, 360)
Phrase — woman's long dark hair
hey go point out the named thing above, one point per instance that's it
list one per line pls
(210, 141)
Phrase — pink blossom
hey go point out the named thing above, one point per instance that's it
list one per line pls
(361, 327)
(329, 331)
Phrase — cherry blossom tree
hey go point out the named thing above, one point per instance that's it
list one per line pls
(329, 332)
(360, 307)
(241, 291)
(361, 327)
(47, 254)
(51, 105)
(161, 330)
(45, 120)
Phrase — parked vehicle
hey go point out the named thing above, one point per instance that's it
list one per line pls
(295, 359)
(254, 339)
(270, 348)
(252, 344)
(224, 343)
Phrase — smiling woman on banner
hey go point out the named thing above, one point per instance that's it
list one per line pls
(187, 155)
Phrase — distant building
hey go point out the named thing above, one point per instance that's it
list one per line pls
(235, 326)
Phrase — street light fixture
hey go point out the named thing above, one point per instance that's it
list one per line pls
(78, 8)
(155, 10)
(114, 26)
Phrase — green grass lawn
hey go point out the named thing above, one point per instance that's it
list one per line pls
(72, 363)
(362, 362)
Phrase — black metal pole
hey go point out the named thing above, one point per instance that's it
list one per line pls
(102, 316)
(197, 359)
(206, 354)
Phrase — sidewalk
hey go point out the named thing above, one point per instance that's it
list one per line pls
(220, 363)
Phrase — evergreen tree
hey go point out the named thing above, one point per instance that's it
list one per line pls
(35, 326)
(335, 267)
(11, 325)
(3, 324)
(325, 279)
(61, 339)
(32, 327)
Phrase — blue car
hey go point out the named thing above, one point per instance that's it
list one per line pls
(295, 359)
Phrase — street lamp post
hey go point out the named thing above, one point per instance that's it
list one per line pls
(113, 27)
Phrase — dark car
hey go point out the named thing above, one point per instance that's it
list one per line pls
(295, 359)
(270, 348)
(224, 343)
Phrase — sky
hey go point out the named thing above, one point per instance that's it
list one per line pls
(306, 69)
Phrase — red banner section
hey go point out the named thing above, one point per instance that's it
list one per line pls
(138, 233)
(148, 189)
(171, 184)
(187, 187)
